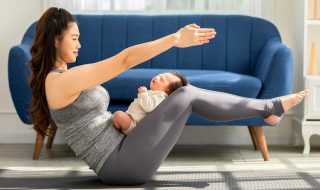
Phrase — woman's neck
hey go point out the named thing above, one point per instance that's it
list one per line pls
(60, 64)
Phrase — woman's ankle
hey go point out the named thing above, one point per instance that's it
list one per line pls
(278, 107)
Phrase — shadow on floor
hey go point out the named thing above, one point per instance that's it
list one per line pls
(12, 179)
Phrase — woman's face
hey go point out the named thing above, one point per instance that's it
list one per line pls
(67, 48)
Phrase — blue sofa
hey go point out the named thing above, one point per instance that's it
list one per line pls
(246, 58)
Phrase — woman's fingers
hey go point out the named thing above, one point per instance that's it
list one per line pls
(205, 30)
(208, 37)
(204, 34)
(193, 25)
(204, 41)
(205, 37)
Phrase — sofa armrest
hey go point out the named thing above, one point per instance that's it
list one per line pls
(275, 69)
(18, 75)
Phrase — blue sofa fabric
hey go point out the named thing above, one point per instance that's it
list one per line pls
(246, 58)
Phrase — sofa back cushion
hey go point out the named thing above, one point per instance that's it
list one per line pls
(236, 47)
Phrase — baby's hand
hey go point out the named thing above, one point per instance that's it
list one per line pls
(142, 89)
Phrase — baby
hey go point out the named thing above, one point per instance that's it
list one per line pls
(160, 87)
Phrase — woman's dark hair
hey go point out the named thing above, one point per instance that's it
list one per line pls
(175, 85)
(50, 26)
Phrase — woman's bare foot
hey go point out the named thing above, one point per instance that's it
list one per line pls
(293, 99)
(287, 102)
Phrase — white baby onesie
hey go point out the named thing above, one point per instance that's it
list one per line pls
(144, 104)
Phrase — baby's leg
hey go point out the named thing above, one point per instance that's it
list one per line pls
(121, 120)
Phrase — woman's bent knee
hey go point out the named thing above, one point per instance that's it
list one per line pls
(184, 94)
(181, 90)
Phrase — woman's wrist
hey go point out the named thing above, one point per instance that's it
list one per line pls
(175, 38)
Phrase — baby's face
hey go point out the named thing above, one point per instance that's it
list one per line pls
(162, 81)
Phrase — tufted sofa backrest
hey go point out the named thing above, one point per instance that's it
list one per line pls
(236, 47)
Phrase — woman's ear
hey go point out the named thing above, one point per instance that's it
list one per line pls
(56, 42)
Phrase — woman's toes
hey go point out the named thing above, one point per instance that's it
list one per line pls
(304, 92)
(293, 99)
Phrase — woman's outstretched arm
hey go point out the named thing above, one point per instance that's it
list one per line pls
(83, 77)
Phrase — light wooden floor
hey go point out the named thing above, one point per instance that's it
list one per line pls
(219, 158)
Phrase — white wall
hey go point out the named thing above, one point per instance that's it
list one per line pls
(15, 17)
(286, 14)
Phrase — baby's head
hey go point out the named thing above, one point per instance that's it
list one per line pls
(168, 82)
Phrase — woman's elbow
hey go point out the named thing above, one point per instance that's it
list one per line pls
(127, 60)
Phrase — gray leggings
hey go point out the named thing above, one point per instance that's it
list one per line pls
(141, 153)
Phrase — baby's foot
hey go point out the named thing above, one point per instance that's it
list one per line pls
(287, 102)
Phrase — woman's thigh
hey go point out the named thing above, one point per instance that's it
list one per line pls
(141, 153)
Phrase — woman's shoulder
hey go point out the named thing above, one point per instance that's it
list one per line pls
(55, 97)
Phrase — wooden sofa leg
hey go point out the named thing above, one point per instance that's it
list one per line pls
(52, 129)
(253, 138)
(38, 146)
(261, 141)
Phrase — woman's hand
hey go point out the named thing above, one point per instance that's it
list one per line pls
(192, 35)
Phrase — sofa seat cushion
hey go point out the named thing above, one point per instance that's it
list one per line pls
(125, 86)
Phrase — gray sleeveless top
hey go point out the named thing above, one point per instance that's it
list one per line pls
(87, 126)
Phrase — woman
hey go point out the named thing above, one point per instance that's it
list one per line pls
(73, 99)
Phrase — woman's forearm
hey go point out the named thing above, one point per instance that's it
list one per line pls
(142, 52)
